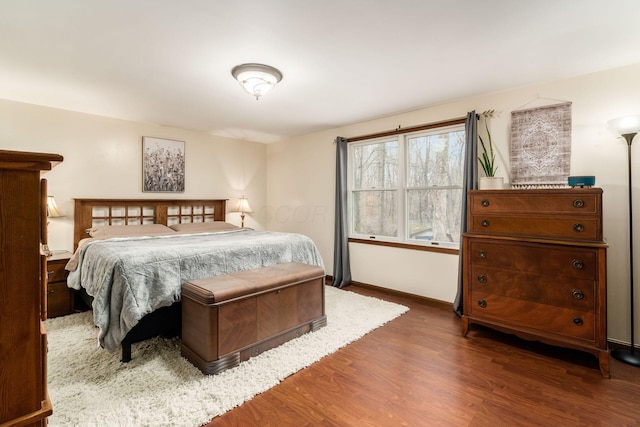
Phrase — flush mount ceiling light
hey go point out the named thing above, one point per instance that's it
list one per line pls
(256, 79)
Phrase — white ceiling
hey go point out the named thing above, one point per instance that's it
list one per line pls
(344, 61)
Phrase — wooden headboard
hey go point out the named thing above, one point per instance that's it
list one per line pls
(94, 212)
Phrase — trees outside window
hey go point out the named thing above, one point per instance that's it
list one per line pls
(408, 187)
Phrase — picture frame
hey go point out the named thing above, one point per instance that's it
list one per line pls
(163, 165)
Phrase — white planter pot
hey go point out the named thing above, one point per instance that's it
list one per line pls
(491, 183)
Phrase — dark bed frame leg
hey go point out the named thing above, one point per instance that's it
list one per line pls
(126, 352)
(165, 322)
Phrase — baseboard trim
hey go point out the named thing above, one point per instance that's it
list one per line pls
(419, 298)
(621, 345)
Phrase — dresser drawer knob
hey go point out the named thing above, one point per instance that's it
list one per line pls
(579, 228)
(484, 203)
(577, 294)
(577, 264)
(578, 203)
(485, 223)
(482, 278)
(482, 303)
(577, 321)
(482, 254)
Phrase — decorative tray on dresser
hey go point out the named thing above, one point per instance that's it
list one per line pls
(535, 266)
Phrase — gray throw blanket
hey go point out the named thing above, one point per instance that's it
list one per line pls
(131, 277)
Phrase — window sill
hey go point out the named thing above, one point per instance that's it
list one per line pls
(406, 246)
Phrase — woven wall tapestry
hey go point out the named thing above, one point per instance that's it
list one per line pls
(540, 151)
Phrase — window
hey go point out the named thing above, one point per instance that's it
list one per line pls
(407, 187)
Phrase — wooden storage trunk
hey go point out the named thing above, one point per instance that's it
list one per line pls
(230, 318)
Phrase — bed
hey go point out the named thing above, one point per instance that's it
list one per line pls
(140, 251)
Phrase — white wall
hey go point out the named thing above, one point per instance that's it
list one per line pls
(103, 159)
(300, 175)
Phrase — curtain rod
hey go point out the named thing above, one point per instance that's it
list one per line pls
(400, 130)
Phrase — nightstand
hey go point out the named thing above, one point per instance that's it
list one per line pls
(60, 298)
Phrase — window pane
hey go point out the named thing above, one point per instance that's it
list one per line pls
(435, 160)
(374, 213)
(375, 165)
(434, 215)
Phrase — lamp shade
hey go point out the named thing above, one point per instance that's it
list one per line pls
(625, 125)
(52, 208)
(256, 79)
(243, 205)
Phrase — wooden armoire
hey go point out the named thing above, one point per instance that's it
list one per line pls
(24, 400)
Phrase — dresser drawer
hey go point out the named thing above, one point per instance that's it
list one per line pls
(541, 317)
(573, 293)
(56, 271)
(59, 299)
(564, 202)
(538, 258)
(587, 229)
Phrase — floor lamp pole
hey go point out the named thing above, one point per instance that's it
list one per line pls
(629, 356)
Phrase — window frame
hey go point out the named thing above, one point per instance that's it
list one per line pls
(402, 238)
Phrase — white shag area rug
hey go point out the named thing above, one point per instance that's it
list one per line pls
(89, 386)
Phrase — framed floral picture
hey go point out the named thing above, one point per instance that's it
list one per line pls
(163, 165)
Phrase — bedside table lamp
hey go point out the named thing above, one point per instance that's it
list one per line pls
(52, 208)
(52, 212)
(243, 207)
(628, 128)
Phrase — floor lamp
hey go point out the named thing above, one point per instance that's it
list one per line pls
(628, 128)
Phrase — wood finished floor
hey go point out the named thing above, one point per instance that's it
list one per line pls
(419, 371)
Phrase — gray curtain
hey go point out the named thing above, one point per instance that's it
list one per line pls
(341, 266)
(470, 182)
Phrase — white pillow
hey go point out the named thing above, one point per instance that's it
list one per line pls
(203, 227)
(129, 230)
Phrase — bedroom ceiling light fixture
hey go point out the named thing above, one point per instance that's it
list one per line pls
(256, 79)
(243, 207)
(628, 127)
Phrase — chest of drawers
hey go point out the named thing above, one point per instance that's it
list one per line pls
(535, 265)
